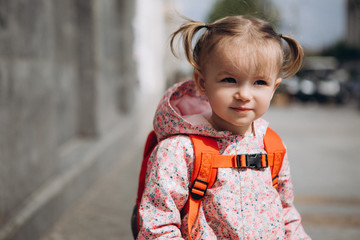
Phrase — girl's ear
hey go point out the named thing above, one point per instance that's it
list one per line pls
(277, 83)
(199, 81)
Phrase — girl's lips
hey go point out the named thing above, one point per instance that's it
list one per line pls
(240, 109)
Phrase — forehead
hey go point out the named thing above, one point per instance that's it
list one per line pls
(250, 57)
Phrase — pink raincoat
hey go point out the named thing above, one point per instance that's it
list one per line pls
(242, 204)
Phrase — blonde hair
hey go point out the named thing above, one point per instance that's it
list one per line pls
(249, 29)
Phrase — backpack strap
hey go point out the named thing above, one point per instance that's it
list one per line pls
(276, 151)
(203, 175)
(208, 159)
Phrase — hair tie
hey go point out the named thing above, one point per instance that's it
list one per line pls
(280, 35)
(207, 26)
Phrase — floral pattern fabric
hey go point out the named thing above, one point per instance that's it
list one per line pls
(242, 204)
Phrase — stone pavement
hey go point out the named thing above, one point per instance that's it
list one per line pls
(324, 147)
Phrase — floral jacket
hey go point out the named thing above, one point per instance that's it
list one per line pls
(242, 204)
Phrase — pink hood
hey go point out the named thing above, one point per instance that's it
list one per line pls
(183, 110)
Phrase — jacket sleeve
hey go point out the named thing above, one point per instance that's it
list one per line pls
(166, 190)
(293, 226)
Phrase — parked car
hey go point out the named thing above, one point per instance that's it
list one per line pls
(321, 80)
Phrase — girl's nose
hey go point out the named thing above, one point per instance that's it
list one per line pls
(242, 93)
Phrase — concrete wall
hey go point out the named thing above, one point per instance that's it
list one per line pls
(67, 78)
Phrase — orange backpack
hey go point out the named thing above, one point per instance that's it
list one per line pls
(206, 162)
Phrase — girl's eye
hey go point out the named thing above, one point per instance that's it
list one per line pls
(260, 82)
(228, 80)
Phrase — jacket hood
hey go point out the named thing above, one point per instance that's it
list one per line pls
(183, 110)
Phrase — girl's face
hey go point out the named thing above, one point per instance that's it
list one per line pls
(237, 93)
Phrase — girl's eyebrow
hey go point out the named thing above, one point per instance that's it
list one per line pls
(224, 73)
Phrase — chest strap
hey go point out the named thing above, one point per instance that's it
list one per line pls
(208, 160)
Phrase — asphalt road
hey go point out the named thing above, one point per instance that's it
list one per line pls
(324, 152)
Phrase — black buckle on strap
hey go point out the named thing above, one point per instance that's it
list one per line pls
(198, 192)
(253, 161)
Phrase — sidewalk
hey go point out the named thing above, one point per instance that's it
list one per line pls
(329, 204)
(104, 212)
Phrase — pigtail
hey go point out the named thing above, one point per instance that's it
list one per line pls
(293, 60)
(188, 31)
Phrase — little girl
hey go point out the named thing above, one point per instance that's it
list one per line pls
(238, 62)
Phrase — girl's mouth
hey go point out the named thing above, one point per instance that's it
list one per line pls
(240, 109)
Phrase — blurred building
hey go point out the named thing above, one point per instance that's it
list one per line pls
(353, 23)
(70, 75)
